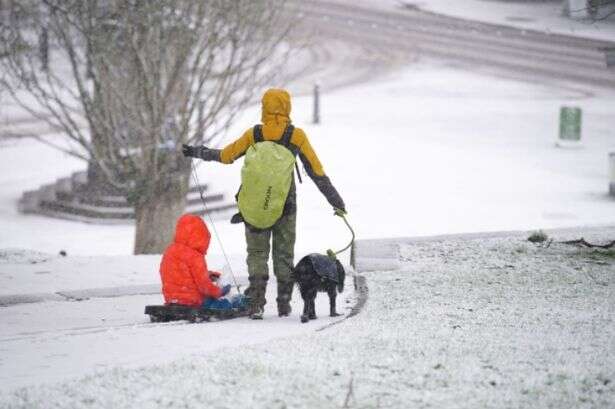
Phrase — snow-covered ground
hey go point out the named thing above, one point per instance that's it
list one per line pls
(25, 272)
(464, 323)
(546, 16)
(430, 149)
(92, 318)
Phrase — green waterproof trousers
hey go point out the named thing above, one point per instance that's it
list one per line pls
(282, 236)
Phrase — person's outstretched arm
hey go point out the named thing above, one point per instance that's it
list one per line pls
(315, 171)
(227, 155)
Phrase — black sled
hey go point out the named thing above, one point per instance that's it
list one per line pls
(176, 312)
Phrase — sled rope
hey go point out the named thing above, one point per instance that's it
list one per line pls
(211, 220)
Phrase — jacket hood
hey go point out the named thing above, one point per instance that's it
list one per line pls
(191, 231)
(276, 107)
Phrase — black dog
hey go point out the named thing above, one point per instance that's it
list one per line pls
(317, 272)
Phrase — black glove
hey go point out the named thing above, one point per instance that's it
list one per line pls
(202, 152)
(191, 151)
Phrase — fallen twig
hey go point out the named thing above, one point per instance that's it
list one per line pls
(349, 393)
(581, 242)
(595, 280)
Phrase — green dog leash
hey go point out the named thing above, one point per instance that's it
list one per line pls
(333, 254)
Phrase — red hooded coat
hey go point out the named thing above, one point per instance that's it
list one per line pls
(183, 269)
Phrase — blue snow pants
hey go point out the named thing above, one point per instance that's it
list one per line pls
(237, 301)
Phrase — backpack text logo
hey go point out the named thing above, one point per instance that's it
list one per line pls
(267, 198)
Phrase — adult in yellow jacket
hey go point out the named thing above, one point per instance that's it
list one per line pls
(275, 118)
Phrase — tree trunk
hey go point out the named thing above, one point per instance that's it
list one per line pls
(98, 184)
(157, 212)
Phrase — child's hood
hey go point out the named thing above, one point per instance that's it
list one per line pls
(191, 231)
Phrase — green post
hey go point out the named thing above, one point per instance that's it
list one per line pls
(569, 126)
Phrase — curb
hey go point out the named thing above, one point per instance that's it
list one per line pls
(383, 254)
(376, 255)
(79, 295)
(360, 288)
(85, 294)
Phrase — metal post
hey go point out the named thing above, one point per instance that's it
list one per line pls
(316, 119)
(612, 173)
(43, 38)
(44, 48)
(12, 15)
(609, 56)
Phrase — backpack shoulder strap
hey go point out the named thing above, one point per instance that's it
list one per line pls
(258, 133)
(288, 133)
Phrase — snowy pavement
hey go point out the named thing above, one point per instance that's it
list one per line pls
(465, 322)
(51, 342)
(56, 341)
(27, 274)
(67, 317)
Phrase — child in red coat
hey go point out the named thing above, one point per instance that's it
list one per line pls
(183, 270)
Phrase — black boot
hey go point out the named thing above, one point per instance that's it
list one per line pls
(256, 293)
(256, 312)
(285, 292)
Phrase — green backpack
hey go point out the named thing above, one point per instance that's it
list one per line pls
(266, 177)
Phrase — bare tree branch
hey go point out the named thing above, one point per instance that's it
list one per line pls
(582, 243)
(593, 9)
(349, 393)
(129, 81)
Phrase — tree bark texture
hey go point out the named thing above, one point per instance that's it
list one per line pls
(156, 214)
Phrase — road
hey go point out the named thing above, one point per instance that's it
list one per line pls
(405, 33)
(345, 44)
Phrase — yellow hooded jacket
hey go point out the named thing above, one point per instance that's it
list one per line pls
(276, 107)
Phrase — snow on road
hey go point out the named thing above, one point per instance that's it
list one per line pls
(45, 342)
(546, 16)
(464, 323)
(26, 272)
